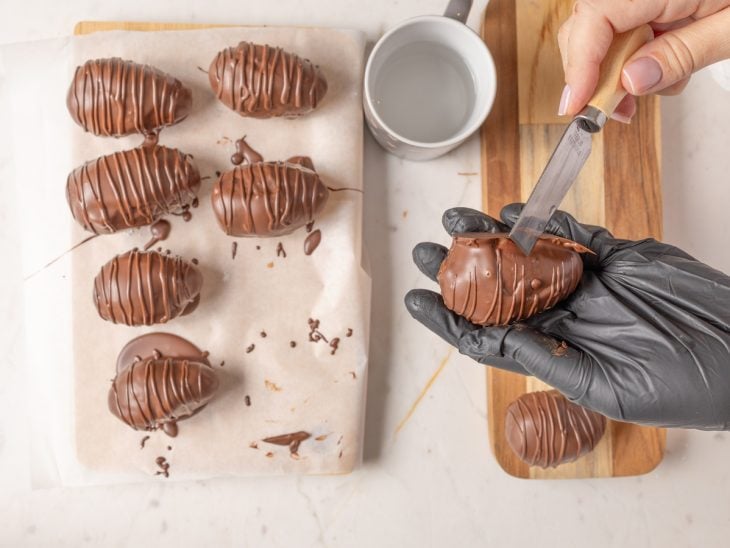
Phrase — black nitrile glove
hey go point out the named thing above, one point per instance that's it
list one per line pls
(648, 329)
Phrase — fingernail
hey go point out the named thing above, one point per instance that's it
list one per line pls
(564, 101)
(642, 75)
(621, 118)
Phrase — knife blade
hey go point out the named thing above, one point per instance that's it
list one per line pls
(575, 145)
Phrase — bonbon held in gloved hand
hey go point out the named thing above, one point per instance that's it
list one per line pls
(647, 330)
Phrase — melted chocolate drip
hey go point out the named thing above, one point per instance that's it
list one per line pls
(312, 241)
(487, 279)
(261, 81)
(113, 97)
(244, 152)
(164, 467)
(544, 429)
(145, 288)
(267, 198)
(131, 188)
(292, 440)
(159, 230)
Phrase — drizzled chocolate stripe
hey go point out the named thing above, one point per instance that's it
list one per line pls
(268, 198)
(545, 429)
(260, 81)
(157, 390)
(487, 279)
(131, 188)
(113, 97)
(145, 288)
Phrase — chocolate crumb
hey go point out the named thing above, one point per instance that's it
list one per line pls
(164, 467)
(143, 441)
(159, 249)
(186, 216)
(349, 332)
(234, 249)
(292, 343)
(194, 261)
(195, 203)
(223, 363)
(561, 350)
(269, 454)
(217, 173)
(334, 345)
(250, 348)
(339, 441)
(258, 247)
(253, 445)
(272, 386)
(247, 400)
(405, 213)
(315, 335)
(269, 265)
(280, 250)
(169, 448)
(340, 456)
(168, 252)
(354, 376)
(321, 438)
(263, 334)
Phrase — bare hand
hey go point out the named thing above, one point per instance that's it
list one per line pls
(689, 35)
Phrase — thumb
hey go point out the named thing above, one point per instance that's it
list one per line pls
(555, 363)
(675, 55)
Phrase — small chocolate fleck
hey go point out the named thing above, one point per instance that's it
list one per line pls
(247, 400)
(223, 363)
(405, 213)
(280, 250)
(309, 226)
(258, 247)
(321, 438)
(194, 260)
(253, 445)
(250, 348)
(164, 467)
(334, 345)
(354, 376)
(169, 448)
(349, 332)
(143, 441)
(340, 456)
(186, 216)
(312, 242)
(272, 386)
(234, 249)
(269, 265)
(217, 173)
(263, 334)
(292, 343)
(195, 203)
(168, 252)
(269, 454)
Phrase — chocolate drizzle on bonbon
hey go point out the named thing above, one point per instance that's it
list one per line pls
(545, 429)
(161, 378)
(131, 188)
(260, 81)
(113, 97)
(487, 279)
(268, 198)
(145, 288)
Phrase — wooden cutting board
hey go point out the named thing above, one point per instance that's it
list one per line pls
(619, 188)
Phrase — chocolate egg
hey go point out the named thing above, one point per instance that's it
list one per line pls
(161, 378)
(145, 288)
(131, 188)
(113, 97)
(545, 429)
(488, 280)
(268, 198)
(260, 81)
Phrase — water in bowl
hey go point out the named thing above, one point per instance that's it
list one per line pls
(424, 92)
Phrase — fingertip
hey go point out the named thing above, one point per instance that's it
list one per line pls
(510, 213)
(428, 257)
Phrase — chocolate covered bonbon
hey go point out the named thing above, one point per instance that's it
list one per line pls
(146, 287)
(114, 97)
(161, 378)
(545, 429)
(131, 188)
(488, 280)
(261, 81)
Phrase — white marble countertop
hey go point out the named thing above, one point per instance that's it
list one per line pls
(435, 483)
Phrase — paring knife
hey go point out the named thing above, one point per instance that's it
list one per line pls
(575, 145)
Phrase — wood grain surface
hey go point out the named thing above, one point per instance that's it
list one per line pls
(619, 188)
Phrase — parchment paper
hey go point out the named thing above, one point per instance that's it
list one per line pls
(290, 389)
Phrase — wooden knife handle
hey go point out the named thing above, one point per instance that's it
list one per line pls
(609, 90)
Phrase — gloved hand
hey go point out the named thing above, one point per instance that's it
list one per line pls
(648, 329)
